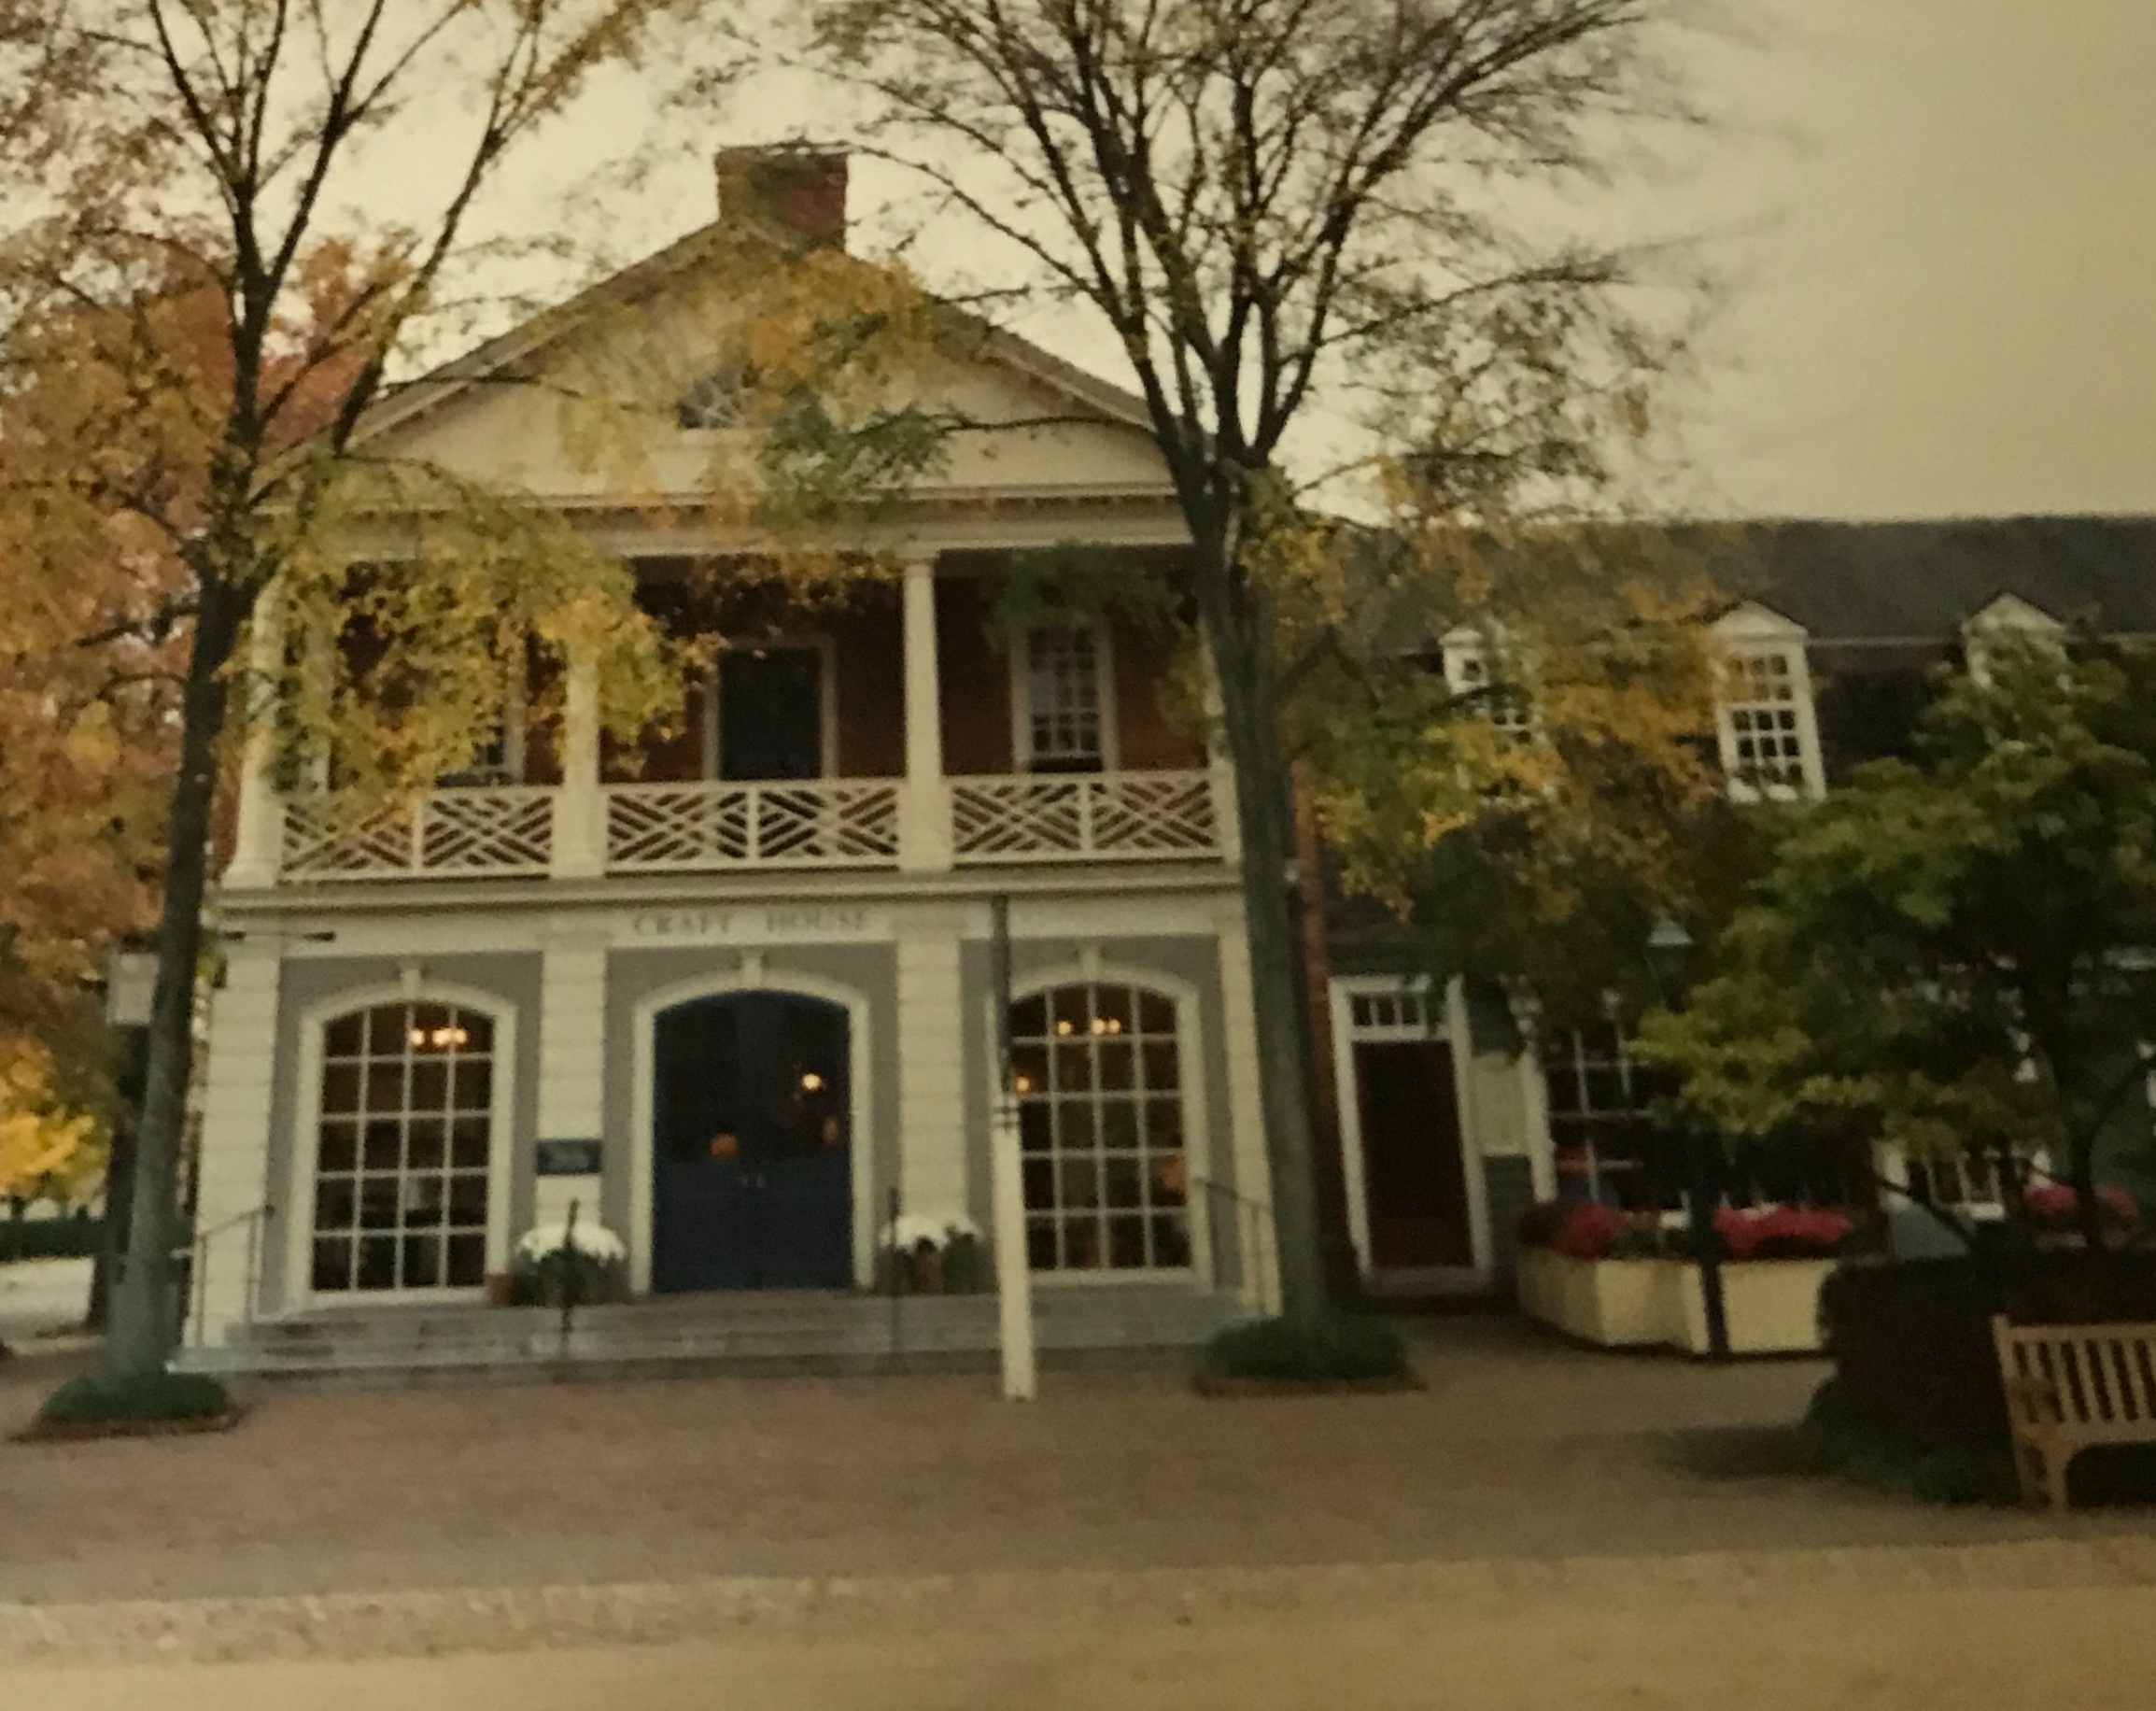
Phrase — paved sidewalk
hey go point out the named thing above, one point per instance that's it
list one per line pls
(1521, 1447)
(1891, 1630)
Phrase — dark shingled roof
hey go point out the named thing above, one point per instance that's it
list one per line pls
(1881, 582)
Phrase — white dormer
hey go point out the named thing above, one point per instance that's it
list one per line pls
(1767, 725)
(2007, 620)
(1468, 672)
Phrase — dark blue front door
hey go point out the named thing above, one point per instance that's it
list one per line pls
(752, 1177)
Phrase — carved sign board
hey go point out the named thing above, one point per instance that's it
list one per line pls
(754, 924)
(560, 1158)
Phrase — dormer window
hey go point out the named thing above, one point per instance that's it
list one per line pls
(1769, 729)
(1469, 675)
(2007, 623)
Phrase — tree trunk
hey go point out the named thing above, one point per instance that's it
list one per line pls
(2088, 1209)
(1240, 649)
(119, 1183)
(145, 1321)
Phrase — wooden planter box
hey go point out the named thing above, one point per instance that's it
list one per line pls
(1614, 1303)
(1771, 1306)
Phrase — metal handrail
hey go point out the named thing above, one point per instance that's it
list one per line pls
(196, 1249)
(1254, 1237)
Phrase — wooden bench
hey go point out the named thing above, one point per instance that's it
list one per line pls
(2069, 1387)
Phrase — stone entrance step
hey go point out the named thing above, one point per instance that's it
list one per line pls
(789, 1332)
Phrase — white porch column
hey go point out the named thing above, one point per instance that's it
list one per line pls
(258, 834)
(579, 806)
(924, 806)
(572, 1102)
(233, 1168)
(931, 1071)
(1245, 1108)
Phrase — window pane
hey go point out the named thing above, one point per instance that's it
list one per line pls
(340, 1089)
(1118, 1125)
(1171, 1240)
(467, 1262)
(1029, 1018)
(1127, 1242)
(1040, 1252)
(422, 1262)
(386, 1031)
(1034, 1128)
(1117, 1065)
(342, 1037)
(1161, 1068)
(340, 1146)
(468, 1198)
(469, 1142)
(1120, 1182)
(1081, 1244)
(1156, 1013)
(1080, 1183)
(1069, 1009)
(1040, 1177)
(1074, 1069)
(333, 1263)
(1112, 1009)
(383, 1145)
(336, 1203)
(377, 1262)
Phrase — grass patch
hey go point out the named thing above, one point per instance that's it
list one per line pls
(1338, 1353)
(1839, 1442)
(102, 1399)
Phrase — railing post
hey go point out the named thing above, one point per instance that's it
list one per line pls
(925, 832)
(1087, 787)
(580, 803)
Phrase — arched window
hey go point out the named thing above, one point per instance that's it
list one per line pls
(1099, 1080)
(406, 1126)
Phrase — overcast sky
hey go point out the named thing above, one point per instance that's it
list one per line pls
(1939, 221)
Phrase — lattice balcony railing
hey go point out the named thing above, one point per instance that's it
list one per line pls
(1094, 817)
(494, 831)
(806, 824)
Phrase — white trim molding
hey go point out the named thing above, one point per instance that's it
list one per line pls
(1765, 703)
(861, 1143)
(314, 1022)
(1393, 1007)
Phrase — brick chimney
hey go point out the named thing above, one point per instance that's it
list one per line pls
(793, 190)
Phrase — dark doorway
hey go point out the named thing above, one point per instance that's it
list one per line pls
(751, 1185)
(1414, 1177)
(771, 714)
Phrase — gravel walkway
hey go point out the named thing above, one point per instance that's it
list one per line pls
(1520, 1446)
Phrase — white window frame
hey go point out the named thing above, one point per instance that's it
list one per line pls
(827, 652)
(1391, 1006)
(1755, 632)
(1198, 1150)
(2007, 619)
(314, 1023)
(1104, 694)
(1466, 651)
(1893, 1165)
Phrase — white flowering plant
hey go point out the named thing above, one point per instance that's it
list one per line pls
(931, 1254)
(555, 1261)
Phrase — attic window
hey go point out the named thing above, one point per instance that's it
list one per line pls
(715, 400)
(1468, 674)
(1767, 725)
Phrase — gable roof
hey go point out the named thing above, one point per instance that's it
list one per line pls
(1905, 582)
(440, 385)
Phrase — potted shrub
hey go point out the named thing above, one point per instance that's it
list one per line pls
(939, 1255)
(554, 1262)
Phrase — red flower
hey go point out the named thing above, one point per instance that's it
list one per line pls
(1780, 1232)
(1589, 1231)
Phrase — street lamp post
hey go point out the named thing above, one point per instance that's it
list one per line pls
(130, 987)
(1668, 952)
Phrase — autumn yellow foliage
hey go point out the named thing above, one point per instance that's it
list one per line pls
(44, 1148)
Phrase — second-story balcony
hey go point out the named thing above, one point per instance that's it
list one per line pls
(715, 825)
(828, 719)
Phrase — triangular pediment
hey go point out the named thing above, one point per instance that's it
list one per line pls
(508, 414)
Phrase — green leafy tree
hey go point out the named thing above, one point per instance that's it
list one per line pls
(1950, 952)
(212, 142)
(1281, 208)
